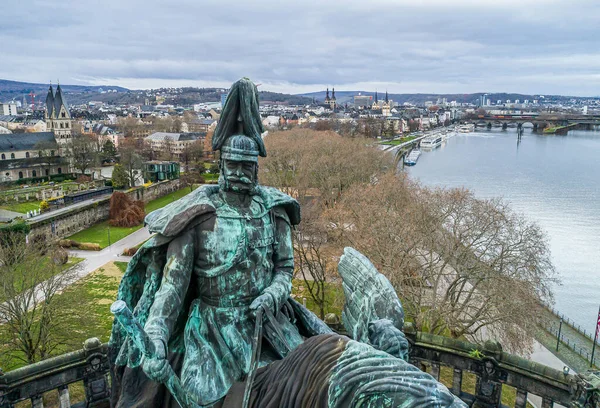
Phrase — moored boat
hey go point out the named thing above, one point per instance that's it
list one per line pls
(466, 128)
(412, 157)
(431, 142)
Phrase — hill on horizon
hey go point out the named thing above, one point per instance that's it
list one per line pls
(81, 94)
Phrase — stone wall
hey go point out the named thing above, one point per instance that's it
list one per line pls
(68, 223)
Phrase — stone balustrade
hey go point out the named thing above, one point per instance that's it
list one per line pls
(493, 368)
(89, 366)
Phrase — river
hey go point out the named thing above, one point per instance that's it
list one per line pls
(553, 180)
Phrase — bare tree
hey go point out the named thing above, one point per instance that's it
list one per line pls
(370, 127)
(167, 148)
(464, 267)
(128, 125)
(313, 256)
(316, 168)
(192, 154)
(130, 159)
(31, 309)
(319, 165)
(82, 151)
(162, 124)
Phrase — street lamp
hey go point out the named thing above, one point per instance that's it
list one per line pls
(559, 330)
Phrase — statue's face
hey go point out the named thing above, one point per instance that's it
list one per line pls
(240, 176)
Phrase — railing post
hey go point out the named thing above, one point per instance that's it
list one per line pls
(435, 370)
(37, 402)
(457, 382)
(95, 382)
(64, 400)
(521, 400)
(488, 389)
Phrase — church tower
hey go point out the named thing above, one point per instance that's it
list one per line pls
(375, 105)
(58, 118)
(327, 98)
(386, 108)
(49, 108)
(332, 101)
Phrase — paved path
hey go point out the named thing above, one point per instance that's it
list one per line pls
(95, 259)
(544, 356)
(8, 216)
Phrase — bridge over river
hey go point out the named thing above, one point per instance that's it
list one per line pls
(536, 120)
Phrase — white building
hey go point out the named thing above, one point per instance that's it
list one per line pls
(174, 143)
(8, 109)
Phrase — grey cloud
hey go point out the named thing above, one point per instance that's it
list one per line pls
(530, 46)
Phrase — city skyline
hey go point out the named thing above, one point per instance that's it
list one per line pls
(541, 47)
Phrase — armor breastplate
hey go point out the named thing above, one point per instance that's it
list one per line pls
(234, 261)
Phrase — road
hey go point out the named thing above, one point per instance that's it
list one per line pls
(68, 208)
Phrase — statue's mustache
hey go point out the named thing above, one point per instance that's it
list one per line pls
(235, 179)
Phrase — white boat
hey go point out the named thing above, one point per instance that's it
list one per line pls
(431, 142)
(466, 128)
(412, 157)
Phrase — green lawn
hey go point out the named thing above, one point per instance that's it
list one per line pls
(398, 141)
(98, 233)
(169, 198)
(21, 207)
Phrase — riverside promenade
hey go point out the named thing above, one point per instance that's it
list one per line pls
(575, 345)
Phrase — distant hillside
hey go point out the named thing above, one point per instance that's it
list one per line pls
(81, 94)
(348, 96)
(13, 90)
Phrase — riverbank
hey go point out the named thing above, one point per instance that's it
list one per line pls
(575, 345)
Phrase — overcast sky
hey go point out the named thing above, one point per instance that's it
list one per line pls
(437, 46)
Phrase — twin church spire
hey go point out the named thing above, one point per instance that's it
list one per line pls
(331, 101)
(58, 118)
(55, 103)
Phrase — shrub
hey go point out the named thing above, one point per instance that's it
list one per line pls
(125, 212)
(44, 205)
(60, 256)
(89, 246)
(130, 251)
(16, 226)
(82, 178)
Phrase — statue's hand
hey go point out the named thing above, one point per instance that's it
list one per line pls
(384, 336)
(265, 301)
(157, 367)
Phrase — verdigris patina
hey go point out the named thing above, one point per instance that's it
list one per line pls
(222, 256)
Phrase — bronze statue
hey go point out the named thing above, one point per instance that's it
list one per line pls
(211, 290)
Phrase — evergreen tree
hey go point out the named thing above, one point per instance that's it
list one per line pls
(108, 151)
(120, 178)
